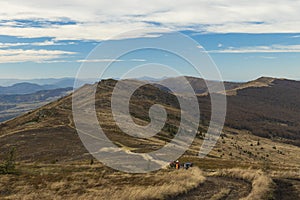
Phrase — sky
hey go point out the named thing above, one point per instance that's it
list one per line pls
(245, 39)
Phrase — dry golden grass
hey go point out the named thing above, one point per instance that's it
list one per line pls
(180, 181)
(263, 82)
(220, 195)
(78, 181)
(241, 148)
(262, 185)
(286, 174)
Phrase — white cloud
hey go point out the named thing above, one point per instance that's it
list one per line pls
(5, 45)
(261, 49)
(101, 19)
(99, 60)
(55, 61)
(39, 56)
(109, 60)
(44, 43)
(138, 60)
(268, 57)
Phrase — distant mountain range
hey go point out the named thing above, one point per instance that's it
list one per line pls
(38, 96)
(25, 88)
(12, 105)
(57, 82)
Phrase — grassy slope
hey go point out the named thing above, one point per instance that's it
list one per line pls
(81, 181)
(50, 134)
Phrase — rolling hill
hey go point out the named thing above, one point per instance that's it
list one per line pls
(260, 133)
(271, 110)
(260, 111)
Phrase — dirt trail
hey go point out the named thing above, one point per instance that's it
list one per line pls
(218, 188)
(287, 189)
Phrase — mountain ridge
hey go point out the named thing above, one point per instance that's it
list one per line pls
(24, 88)
(57, 82)
(258, 111)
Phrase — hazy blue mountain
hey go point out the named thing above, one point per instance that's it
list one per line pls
(58, 82)
(16, 104)
(25, 88)
(42, 95)
(151, 79)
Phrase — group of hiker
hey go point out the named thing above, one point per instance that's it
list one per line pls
(177, 165)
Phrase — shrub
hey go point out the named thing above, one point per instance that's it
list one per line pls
(9, 165)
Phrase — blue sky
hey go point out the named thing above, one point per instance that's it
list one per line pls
(246, 40)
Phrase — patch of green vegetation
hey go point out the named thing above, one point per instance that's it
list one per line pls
(9, 165)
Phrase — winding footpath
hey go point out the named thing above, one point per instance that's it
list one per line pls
(218, 188)
(225, 188)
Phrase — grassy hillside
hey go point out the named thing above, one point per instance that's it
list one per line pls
(271, 112)
(254, 137)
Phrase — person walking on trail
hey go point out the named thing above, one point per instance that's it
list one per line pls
(177, 164)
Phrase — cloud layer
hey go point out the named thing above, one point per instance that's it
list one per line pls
(261, 49)
(100, 19)
(39, 56)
